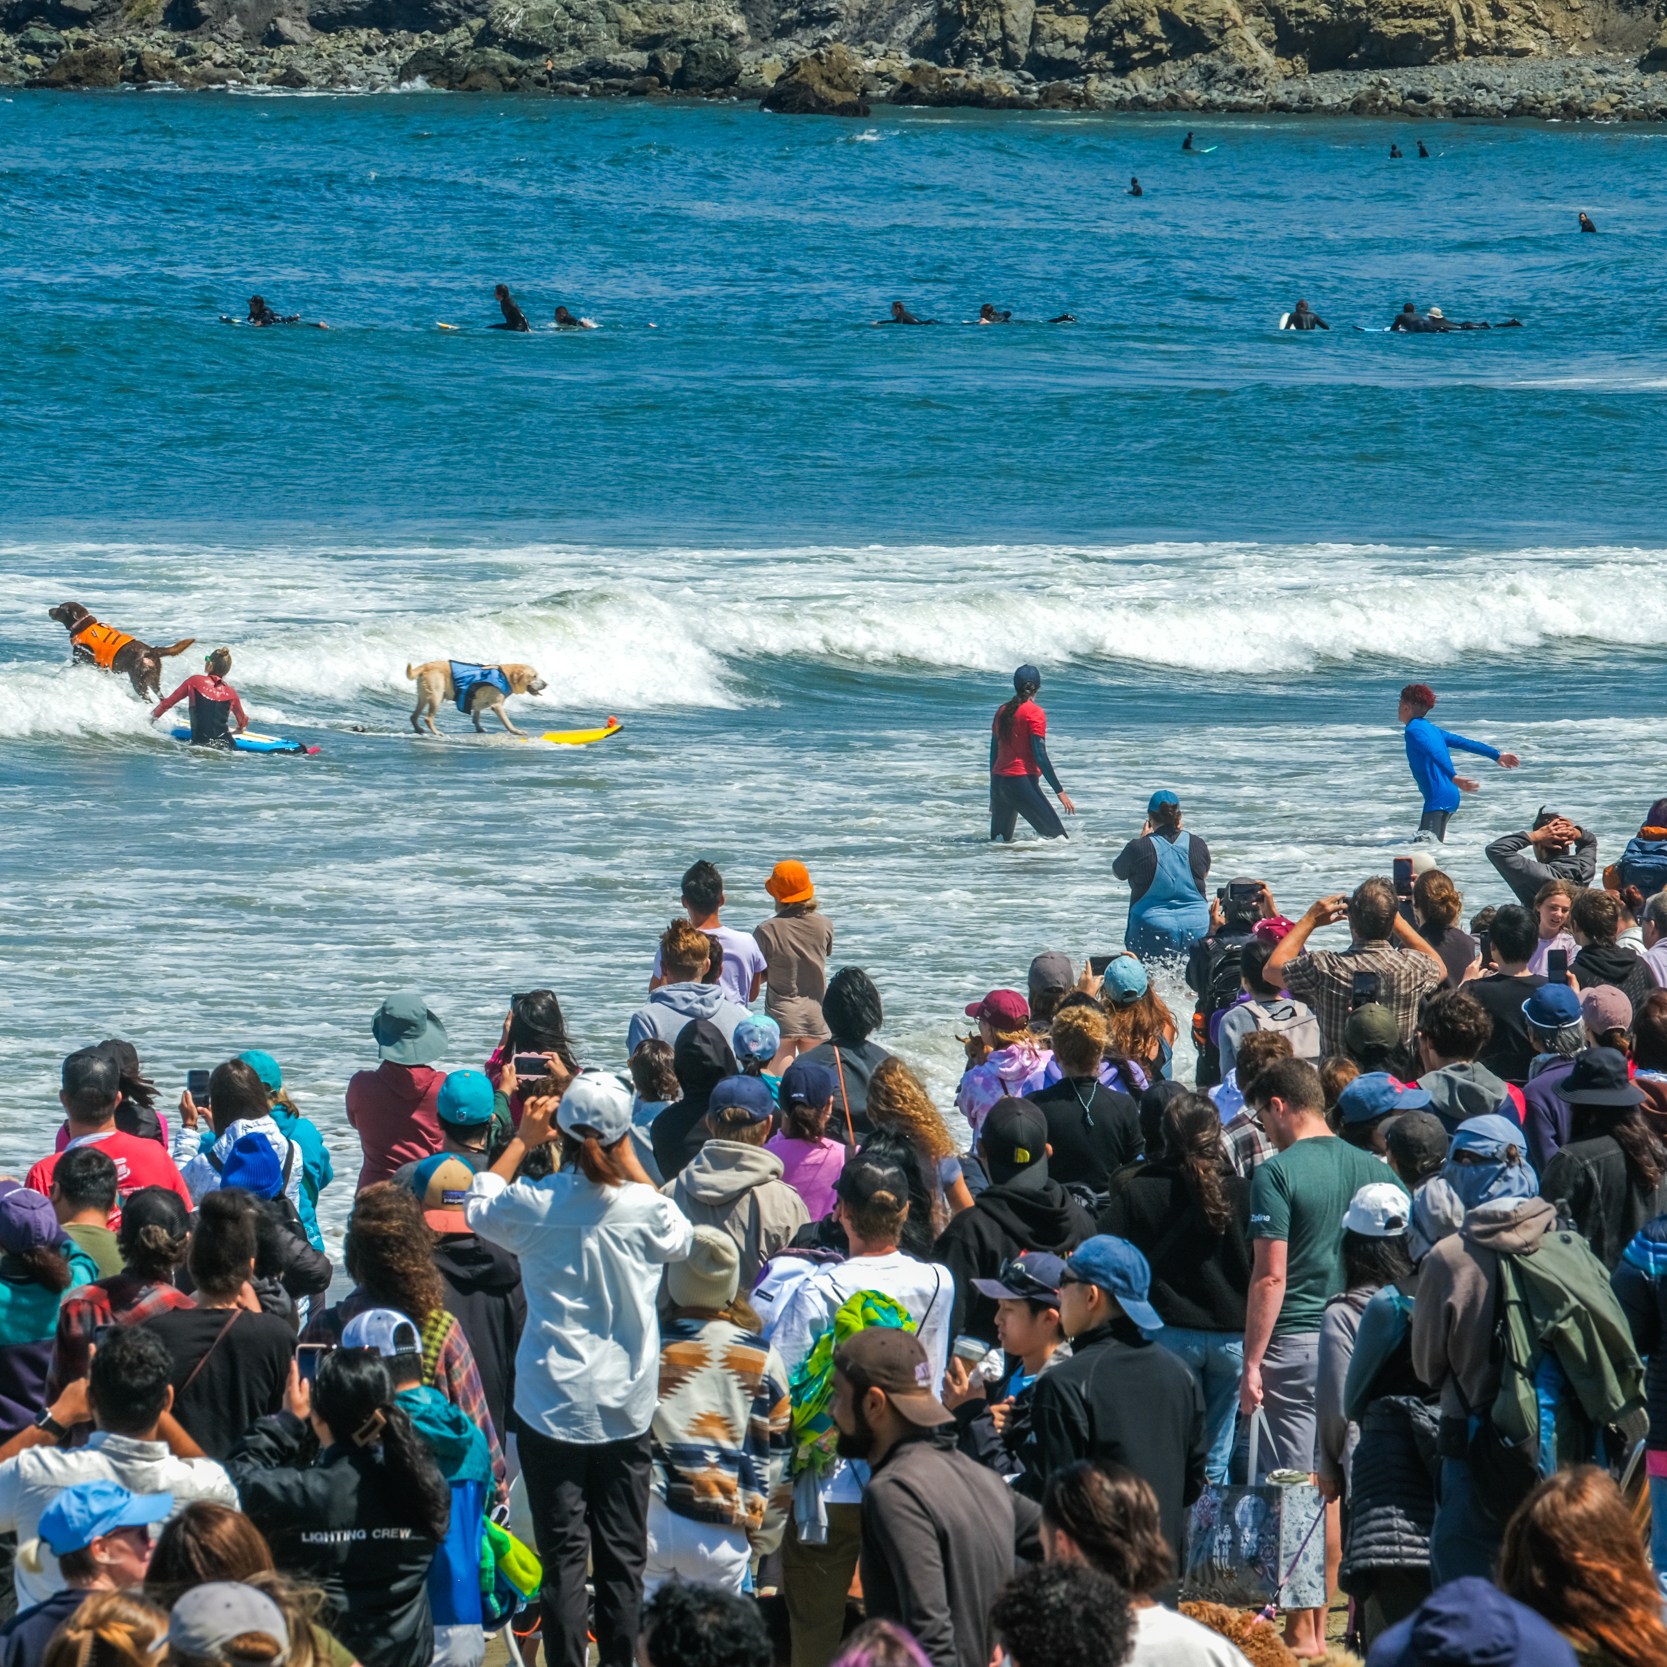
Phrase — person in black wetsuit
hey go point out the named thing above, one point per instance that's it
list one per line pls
(1018, 757)
(214, 703)
(901, 315)
(261, 314)
(514, 318)
(988, 314)
(1394, 153)
(1422, 150)
(1134, 188)
(1303, 317)
(568, 321)
(1186, 143)
(1410, 322)
(1586, 222)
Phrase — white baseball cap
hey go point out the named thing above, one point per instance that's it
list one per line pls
(596, 1102)
(1379, 1210)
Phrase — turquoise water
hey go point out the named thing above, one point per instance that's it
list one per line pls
(796, 555)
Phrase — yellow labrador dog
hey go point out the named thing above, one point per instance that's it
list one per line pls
(476, 690)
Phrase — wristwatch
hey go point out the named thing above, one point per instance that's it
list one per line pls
(51, 1425)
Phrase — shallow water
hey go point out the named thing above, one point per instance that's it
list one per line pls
(798, 556)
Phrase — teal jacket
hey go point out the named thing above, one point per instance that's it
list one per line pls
(28, 1324)
(454, 1594)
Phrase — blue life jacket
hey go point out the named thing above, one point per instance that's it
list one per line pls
(466, 679)
(1171, 915)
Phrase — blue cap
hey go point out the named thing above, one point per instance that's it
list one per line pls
(756, 1039)
(1469, 1622)
(1124, 981)
(1378, 1094)
(1120, 1270)
(265, 1067)
(751, 1094)
(1159, 799)
(465, 1099)
(1551, 1007)
(78, 1515)
(805, 1084)
(253, 1165)
(1026, 677)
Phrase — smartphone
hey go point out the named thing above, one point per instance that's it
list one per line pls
(1364, 989)
(1244, 891)
(196, 1085)
(1403, 876)
(531, 1065)
(1484, 946)
(1557, 966)
(307, 1357)
(102, 1334)
(1097, 964)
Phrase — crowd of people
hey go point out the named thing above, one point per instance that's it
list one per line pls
(743, 1356)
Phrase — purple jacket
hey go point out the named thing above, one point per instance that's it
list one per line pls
(1549, 1114)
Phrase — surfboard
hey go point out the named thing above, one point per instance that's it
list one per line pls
(448, 326)
(581, 737)
(248, 741)
(1284, 320)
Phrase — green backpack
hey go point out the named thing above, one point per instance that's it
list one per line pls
(810, 1388)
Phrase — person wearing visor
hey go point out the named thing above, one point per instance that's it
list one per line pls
(1019, 760)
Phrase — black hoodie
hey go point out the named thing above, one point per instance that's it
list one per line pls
(485, 1296)
(702, 1058)
(1027, 1212)
(1613, 963)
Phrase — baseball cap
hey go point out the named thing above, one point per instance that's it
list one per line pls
(1603, 1007)
(1125, 981)
(872, 1181)
(1370, 1029)
(1005, 1009)
(465, 1099)
(27, 1219)
(756, 1039)
(1417, 1142)
(1119, 1269)
(1031, 1276)
(79, 1514)
(265, 1067)
(1469, 1622)
(385, 1331)
(789, 882)
(597, 1102)
(710, 1275)
(1599, 1078)
(1027, 677)
(441, 1183)
(253, 1165)
(1052, 971)
(749, 1094)
(1551, 1007)
(1378, 1094)
(207, 1617)
(891, 1359)
(1159, 799)
(804, 1084)
(1379, 1210)
(1014, 1137)
(408, 1031)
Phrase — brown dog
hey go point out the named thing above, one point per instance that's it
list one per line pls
(436, 683)
(104, 646)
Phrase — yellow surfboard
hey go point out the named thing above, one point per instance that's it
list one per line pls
(581, 737)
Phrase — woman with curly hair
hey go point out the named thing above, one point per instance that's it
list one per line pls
(111, 1629)
(1139, 1025)
(1572, 1553)
(898, 1102)
(390, 1259)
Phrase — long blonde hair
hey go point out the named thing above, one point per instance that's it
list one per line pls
(110, 1629)
(897, 1099)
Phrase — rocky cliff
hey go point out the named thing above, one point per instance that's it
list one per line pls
(1603, 58)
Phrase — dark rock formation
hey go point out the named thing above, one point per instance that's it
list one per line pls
(825, 83)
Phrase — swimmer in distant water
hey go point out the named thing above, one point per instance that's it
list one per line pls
(1134, 188)
(1303, 317)
(566, 321)
(1186, 143)
(1394, 153)
(989, 315)
(1586, 222)
(1421, 150)
(901, 315)
(1407, 321)
(1064, 318)
(514, 318)
(261, 314)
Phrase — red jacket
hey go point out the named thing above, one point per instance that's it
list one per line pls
(392, 1108)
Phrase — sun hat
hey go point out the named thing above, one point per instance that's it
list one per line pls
(253, 1165)
(1005, 1009)
(597, 1102)
(1599, 1077)
(1120, 1270)
(27, 1219)
(408, 1031)
(441, 1183)
(710, 1275)
(1031, 1276)
(80, 1514)
(1378, 1094)
(756, 1039)
(1551, 1007)
(465, 1100)
(1159, 800)
(265, 1067)
(1379, 1210)
(890, 1359)
(385, 1331)
(789, 882)
(806, 1084)
(1603, 1007)
(1125, 981)
(1436, 312)
(206, 1618)
(748, 1094)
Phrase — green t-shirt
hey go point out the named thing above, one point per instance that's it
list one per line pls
(1300, 1195)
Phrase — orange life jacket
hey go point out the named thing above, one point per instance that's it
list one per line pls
(103, 642)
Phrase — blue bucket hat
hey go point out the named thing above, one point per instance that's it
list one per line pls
(1121, 1271)
(265, 1067)
(408, 1031)
(465, 1100)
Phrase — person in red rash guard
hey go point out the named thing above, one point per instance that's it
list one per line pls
(1018, 758)
(214, 703)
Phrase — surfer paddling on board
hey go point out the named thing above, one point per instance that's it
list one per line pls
(901, 315)
(214, 703)
(1303, 317)
(1431, 761)
(1018, 757)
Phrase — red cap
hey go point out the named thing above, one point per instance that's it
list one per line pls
(1005, 1009)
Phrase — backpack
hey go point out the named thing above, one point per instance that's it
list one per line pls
(1301, 1030)
(1219, 988)
(810, 1387)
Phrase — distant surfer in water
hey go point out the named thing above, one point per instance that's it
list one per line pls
(261, 315)
(1186, 143)
(1421, 149)
(1394, 153)
(1409, 321)
(1431, 761)
(1303, 317)
(1586, 222)
(566, 321)
(990, 315)
(1134, 188)
(514, 318)
(901, 315)
(1018, 758)
(214, 703)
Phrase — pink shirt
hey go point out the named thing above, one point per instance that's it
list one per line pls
(810, 1168)
(392, 1108)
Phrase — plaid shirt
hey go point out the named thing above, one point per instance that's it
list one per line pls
(448, 1365)
(1247, 1146)
(1324, 978)
(122, 1299)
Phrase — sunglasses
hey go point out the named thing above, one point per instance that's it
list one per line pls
(1023, 1283)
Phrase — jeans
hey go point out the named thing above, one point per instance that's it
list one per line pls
(1216, 1361)
(1658, 1531)
(1464, 1539)
(1014, 796)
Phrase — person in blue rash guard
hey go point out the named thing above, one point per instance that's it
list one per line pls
(1431, 761)
(1018, 757)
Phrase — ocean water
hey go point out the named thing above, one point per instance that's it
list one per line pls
(796, 555)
